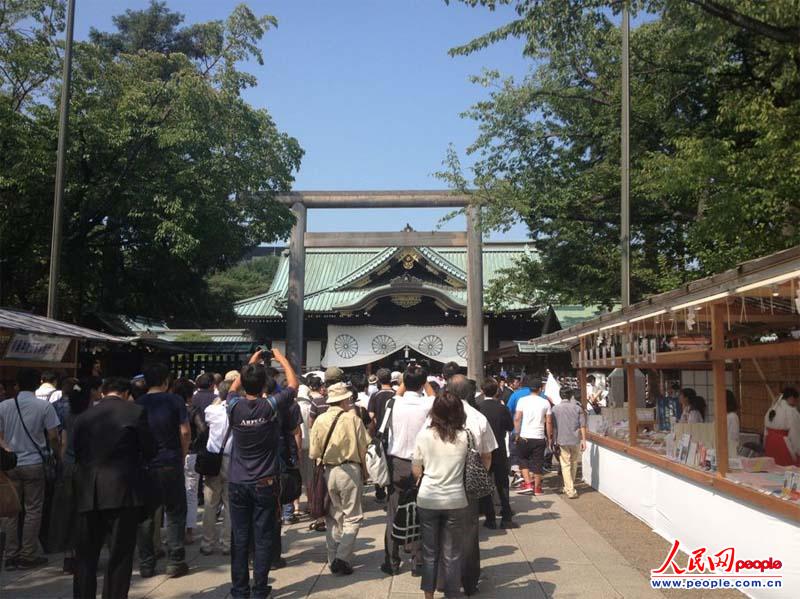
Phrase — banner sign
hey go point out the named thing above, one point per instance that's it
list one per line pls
(34, 347)
(358, 345)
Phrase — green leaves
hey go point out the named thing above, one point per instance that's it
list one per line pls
(715, 95)
(171, 175)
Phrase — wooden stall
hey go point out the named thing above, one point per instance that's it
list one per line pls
(31, 341)
(737, 332)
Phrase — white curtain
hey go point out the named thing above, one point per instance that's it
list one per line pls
(358, 345)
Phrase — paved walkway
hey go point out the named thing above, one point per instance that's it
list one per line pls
(555, 553)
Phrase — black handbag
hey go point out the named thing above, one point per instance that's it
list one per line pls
(8, 460)
(208, 463)
(406, 526)
(477, 480)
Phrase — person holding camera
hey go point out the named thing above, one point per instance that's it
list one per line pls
(255, 470)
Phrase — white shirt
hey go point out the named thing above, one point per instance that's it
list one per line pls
(305, 414)
(217, 420)
(442, 484)
(45, 392)
(363, 400)
(408, 417)
(535, 410)
(480, 429)
(733, 433)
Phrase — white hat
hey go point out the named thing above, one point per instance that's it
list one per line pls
(338, 392)
(397, 376)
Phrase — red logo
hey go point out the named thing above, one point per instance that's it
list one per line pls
(700, 562)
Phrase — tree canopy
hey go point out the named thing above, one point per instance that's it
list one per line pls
(715, 156)
(171, 175)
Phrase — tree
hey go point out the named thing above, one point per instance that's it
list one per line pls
(715, 95)
(244, 280)
(171, 174)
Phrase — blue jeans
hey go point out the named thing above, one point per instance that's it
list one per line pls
(254, 512)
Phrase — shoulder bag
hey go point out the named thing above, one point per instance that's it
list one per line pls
(377, 464)
(319, 500)
(478, 482)
(208, 463)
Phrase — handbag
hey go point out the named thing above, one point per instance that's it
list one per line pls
(8, 460)
(210, 463)
(377, 465)
(9, 500)
(319, 500)
(406, 526)
(477, 481)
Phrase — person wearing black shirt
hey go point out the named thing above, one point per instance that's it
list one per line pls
(169, 422)
(254, 476)
(501, 424)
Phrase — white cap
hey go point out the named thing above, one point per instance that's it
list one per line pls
(396, 376)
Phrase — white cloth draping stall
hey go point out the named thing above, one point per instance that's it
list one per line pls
(358, 345)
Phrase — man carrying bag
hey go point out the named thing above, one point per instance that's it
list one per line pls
(339, 440)
(26, 425)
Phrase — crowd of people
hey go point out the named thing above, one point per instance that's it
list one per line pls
(133, 456)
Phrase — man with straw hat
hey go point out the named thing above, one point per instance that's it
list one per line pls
(339, 440)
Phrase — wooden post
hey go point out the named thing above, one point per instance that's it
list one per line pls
(630, 384)
(582, 374)
(582, 387)
(474, 294)
(718, 315)
(295, 312)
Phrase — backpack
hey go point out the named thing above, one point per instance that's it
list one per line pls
(377, 465)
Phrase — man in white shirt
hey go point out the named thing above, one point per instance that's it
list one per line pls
(409, 412)
(485, 442)
(533, 425)
(48, 386)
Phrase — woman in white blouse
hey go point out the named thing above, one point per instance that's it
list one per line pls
(439, 458)
(216, 487)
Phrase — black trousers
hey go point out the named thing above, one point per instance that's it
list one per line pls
(120, 525)
(500, 472)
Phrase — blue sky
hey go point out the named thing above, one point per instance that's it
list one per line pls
(366, 87)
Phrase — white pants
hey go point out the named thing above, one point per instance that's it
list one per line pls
(192, 480)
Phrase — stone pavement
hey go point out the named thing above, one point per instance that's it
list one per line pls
(555, 553)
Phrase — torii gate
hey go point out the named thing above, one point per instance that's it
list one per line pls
(301, 201)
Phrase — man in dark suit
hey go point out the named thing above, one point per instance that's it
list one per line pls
(112, 441)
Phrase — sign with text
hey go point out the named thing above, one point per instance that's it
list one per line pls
(40, 348)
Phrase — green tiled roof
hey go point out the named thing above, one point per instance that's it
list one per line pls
(570, 315)
(331, 271)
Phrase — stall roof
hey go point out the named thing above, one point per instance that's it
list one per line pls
(31, 323)
(747, 275)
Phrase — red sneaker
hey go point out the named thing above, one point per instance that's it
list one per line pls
(538, 490)
(525, 489)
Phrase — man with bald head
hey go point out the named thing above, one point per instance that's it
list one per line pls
(485, 442)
